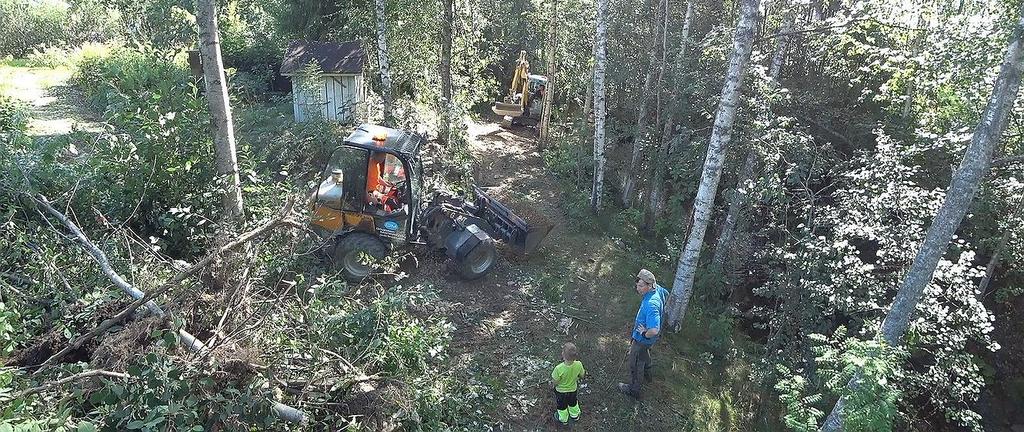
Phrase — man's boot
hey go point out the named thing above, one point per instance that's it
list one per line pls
(624, 388)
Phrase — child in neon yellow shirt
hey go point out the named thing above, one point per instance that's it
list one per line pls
(565, 379)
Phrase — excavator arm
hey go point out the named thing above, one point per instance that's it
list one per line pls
(520, 85)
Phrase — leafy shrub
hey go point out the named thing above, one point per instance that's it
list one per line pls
(54, 56)
(162, 395)
(27, 25)
(159, 173)
(13, 118)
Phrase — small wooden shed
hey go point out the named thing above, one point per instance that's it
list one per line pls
(340, 93)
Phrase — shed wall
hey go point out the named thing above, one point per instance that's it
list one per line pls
(338, 98)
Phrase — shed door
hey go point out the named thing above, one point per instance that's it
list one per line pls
(344, 97)
(306, 100)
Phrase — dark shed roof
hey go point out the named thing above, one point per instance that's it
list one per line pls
(333, 57)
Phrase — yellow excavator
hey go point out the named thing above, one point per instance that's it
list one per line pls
(524, 101)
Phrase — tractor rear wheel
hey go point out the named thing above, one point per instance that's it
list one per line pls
(355, 254)
(478, 261)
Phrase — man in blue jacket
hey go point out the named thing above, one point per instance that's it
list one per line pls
(646, 329)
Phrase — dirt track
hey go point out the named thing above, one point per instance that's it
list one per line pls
(509, 324)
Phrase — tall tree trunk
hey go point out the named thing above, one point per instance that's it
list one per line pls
(382, 60)
(588, 101)
(682, 286)
(915, 50)
(447, 18)
(656, 199)
(993, 263)
(962, 187)
(549, 94)
(226, 272)
(600, 42)
(738, 200)
(220, 111)
(640, 135)
(656, 196)
(655, 203)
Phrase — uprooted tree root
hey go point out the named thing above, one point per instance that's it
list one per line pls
(118, 350)
(46, 345)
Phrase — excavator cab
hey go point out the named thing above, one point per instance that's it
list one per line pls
(524, 101)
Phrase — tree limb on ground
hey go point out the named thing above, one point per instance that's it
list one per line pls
(191, 270)
(72, 378)
(283, 411)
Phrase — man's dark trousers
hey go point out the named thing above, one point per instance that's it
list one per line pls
(639, 366)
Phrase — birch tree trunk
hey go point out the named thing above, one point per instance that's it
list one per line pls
(993, 263)
(656, 196)
(737, 200)
(962, 187)
(549, 94)
(382, 61)
(656, 199)
(600, 42)
(682, 287)
(640, 135)
(447, 18)
(220, 111)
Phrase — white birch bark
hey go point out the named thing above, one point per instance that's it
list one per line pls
(962, 187)
(738, 200)
(447, 20)
(382, 60)
(640, 135)
(220, 111)
(682, 287)
(600, 42)
(549, 95)
(656, 199)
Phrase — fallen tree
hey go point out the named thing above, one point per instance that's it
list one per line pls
(283, 217)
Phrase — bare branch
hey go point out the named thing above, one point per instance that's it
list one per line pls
(1009, 160)
(164, 287)
(72, 378)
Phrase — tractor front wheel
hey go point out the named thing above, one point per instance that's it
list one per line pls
(356, 253)
(478, 261)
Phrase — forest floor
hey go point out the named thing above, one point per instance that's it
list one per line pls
(577, 287)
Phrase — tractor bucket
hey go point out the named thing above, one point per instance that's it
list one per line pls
(518, 234)
(507, 109)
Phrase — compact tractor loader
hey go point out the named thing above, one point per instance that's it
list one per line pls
(372, 200)
(524, 102)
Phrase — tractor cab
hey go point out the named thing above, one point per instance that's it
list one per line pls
(379, 187)
(371, 199)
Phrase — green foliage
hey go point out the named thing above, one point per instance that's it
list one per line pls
(876, 370)
(870, 403)
(163, 162)
(10, 323)
(166, 26)
(28, 25)
(13, 118)
(55, 57)
(801, 411)
(163, 395)
(391, 333)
